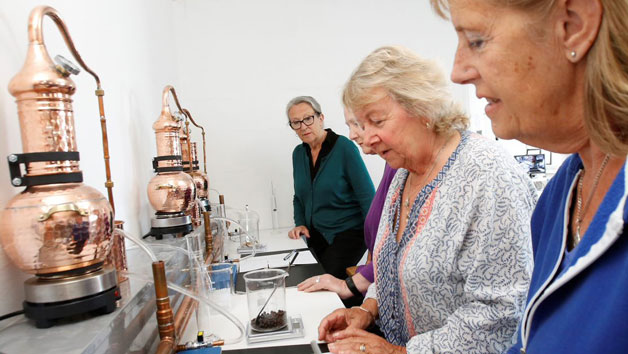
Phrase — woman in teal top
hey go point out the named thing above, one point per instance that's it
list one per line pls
(332, 189)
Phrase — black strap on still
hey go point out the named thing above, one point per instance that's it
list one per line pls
(166, 158)
(18, 180)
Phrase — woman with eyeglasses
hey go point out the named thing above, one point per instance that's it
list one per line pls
(352, 288)
(332, 189)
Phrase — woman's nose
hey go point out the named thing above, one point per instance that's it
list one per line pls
(369, 138)
(463, 72)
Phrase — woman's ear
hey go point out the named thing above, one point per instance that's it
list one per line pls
(579, 24)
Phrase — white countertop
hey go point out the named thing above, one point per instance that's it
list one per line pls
(312, 307)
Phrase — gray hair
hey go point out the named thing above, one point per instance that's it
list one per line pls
(304, 99)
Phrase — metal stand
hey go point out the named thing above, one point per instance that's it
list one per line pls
(49, 300)
(164, 225)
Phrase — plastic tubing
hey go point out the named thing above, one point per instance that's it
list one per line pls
(170, 248)
(204, 300)
(179, 289)
(220, 218)
(139, 243)
(149, 248)
(212, 189)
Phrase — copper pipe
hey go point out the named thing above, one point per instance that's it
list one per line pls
(185, 150)
(187, 127)
(36, 36)
(209, 239)
(200, 179)
(186, 156)
(166, 346)
(183, 314)
(187, 113)
(176, 99)
(170, 326)
(117, 255)
(165, 318)
(105, 145)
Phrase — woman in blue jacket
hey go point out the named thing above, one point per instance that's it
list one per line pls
(555, 76)
(332, 189)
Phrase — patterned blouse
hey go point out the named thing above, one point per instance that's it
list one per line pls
(457, 280)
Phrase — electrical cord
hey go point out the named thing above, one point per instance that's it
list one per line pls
(12, 314)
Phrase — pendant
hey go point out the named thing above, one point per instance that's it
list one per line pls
(406, 203)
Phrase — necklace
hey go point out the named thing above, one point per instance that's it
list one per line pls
(579, 211)
(406, 202)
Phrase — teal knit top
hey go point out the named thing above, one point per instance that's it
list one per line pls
(340, 195)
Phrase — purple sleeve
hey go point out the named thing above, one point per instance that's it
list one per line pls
(371, 222)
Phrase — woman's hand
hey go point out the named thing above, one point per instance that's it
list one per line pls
(297, 231)
(342, 319)
(326, 282)
(359, 341)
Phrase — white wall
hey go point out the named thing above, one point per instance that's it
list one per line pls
(242, 61)
(235, 64)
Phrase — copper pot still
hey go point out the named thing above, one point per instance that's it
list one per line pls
(200, 179)
(200, 183)
(170, 192)
(56, 227)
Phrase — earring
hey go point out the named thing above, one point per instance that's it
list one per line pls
(427, 125)
(573, 55)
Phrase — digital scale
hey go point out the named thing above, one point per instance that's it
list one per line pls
(294, 329)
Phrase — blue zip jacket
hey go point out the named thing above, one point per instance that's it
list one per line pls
(583, 306)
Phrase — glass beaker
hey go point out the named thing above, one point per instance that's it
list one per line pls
(266, 298)
(218, 285)
(249, 235)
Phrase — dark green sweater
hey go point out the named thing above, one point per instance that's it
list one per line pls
(340, 195)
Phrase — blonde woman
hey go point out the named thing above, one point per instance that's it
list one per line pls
(452, 256)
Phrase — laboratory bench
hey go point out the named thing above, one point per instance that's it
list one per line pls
(132, 327)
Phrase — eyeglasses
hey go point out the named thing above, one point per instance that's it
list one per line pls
(296, 124)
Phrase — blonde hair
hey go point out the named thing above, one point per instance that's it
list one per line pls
(606, 75)
(418, 85)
